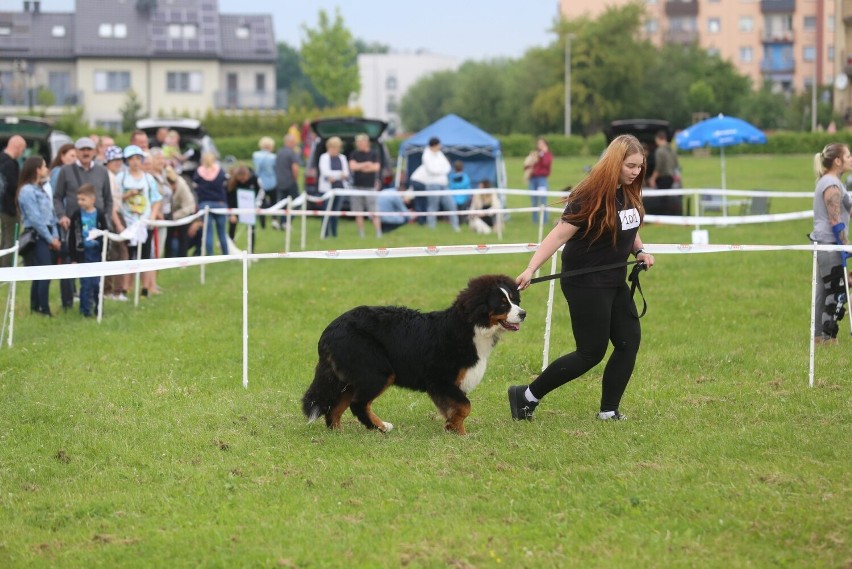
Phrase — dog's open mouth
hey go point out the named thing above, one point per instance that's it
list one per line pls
(510, 326)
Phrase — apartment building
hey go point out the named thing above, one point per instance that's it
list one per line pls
(176, 55)
(386, 77)
(786, 42)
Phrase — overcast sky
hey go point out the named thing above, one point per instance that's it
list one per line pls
(466, 29)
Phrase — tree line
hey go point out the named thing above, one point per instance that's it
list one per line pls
(615, 74)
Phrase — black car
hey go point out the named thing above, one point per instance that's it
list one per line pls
(346, 128)
(646, 131)
(40, 136)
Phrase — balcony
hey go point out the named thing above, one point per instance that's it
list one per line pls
(678, 8)
(682, 37)
(21, 97)
(776, 67)
(237, 100)
(777, 6)
(778, 36)
(847, 12)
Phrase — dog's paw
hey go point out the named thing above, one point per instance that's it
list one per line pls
(387, 427)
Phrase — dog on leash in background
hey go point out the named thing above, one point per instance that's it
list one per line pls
(444, 353)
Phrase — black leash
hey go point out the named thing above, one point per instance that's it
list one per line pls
(633, 278)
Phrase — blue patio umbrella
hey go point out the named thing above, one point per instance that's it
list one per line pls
(719, 132)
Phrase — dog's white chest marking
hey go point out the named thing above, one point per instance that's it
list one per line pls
(484, 340)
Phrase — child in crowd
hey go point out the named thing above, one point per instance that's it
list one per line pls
(85, 250)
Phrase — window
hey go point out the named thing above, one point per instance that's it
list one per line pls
(183, 82)
(5, 29)
(112, 81)
(746, 54)
(714, 25)
(830, 23)
(830, 53)
(746, 24)
(651, 26)
(112, 30)
(713, 51)
(809, 53)
(810, 23)
(59, 83)
(57, 31)
(242, 32)
(390, 82)
(392, 105)
(260, 83)
(183, 31)
(682, 24)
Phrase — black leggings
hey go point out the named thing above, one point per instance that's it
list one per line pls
(598, 316)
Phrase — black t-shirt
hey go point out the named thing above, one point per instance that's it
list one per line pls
(10, 171)
(364, 179)
(580, 252)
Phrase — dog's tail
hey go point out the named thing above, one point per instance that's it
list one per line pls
(323, 393)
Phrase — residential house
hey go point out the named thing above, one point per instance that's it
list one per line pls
(177, 56)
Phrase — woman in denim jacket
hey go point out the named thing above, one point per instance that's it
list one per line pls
(37, 213)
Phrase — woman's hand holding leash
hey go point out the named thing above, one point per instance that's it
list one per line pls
(646, 258)
(523, 280)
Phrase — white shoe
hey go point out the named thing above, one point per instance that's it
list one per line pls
(611, 416)
(122, 297)
(274, 224)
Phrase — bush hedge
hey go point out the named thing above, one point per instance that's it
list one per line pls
(515, 145)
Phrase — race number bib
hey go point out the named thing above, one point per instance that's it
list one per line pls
(629, 218)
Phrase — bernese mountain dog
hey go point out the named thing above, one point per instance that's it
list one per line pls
(444, 353)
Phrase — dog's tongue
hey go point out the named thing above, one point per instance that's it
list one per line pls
(510, 326)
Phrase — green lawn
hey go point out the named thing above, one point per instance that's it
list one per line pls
(133, 444)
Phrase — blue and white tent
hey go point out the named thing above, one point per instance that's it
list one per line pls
(460, 140)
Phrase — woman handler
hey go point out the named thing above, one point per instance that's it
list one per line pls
(600, 226)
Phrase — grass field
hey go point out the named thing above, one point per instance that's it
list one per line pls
(133, 444)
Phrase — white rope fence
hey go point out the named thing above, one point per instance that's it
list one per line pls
(286, 207)
(15, 274)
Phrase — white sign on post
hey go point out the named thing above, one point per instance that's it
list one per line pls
(245, 200)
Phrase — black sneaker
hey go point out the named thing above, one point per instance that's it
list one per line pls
(611, 416)
(522, 410)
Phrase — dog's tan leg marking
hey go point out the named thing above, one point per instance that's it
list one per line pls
(374, 419)
(337, 411)
(456, 416)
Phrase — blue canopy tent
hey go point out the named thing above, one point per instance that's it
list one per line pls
(479, 151)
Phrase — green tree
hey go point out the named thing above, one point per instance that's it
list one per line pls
(427, 100)
(330, 60)
(701, 96)
(291, 79)
(539, 71)
(670, 74)
(607, 59)
(363, 46)
(130, 112)
(478, 94)
(766, 109)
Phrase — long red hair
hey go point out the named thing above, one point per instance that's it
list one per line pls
(594, 197)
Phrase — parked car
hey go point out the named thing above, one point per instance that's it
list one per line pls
(646, 131)
(346, 128)
(194, 140)
(41, 137)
